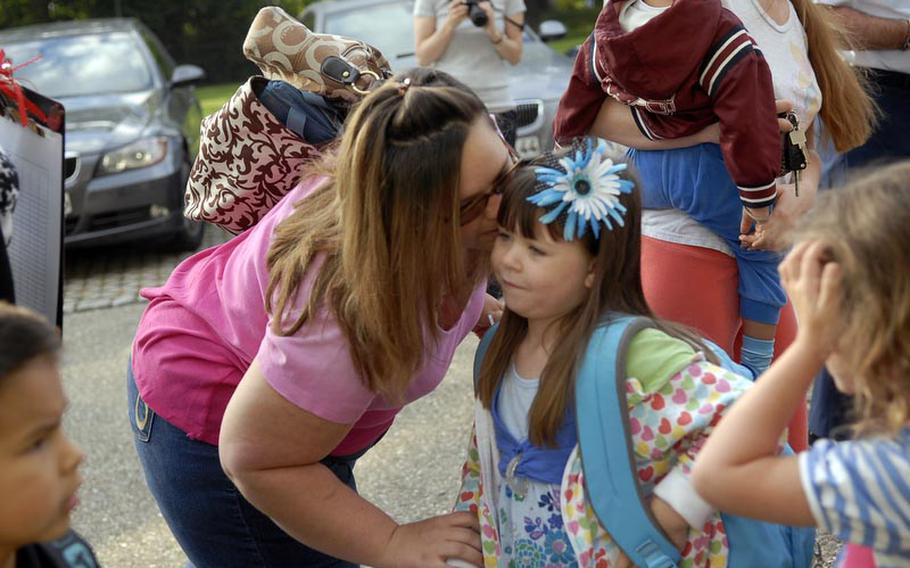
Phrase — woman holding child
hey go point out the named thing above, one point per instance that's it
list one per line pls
(284, 354)
(689, 272)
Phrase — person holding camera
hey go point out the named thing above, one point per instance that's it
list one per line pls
(472, 40)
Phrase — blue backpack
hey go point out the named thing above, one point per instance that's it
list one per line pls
(611, 482)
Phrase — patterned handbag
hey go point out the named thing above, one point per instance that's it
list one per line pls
(248, 160)
(338, 68)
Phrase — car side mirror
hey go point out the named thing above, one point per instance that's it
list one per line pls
(552, 29)
(186, 75)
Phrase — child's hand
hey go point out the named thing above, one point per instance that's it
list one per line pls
(757, 216)
(813, 283)
(492, 313)
(674, 526)
(428, 543)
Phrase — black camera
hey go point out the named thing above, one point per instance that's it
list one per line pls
(476, 13)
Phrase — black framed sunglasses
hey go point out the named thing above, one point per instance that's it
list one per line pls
(472, 207)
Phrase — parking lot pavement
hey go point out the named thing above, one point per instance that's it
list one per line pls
(412, 473)
(107, 277)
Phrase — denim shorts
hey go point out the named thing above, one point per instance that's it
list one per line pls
(213, 523)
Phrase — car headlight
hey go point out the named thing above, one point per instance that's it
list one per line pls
(140, 154)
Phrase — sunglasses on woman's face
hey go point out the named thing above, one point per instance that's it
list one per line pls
(472, 207)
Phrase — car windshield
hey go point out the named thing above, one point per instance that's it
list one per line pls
(394, 35)
(104, 63)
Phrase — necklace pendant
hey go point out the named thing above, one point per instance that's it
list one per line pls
(518, 485)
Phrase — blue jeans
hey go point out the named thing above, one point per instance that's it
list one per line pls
(889, 142)
(214, 525)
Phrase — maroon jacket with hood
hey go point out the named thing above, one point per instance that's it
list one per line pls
(692, 65)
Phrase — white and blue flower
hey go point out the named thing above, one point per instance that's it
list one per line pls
(586, 189)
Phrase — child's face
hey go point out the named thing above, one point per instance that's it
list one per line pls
(38, 464)
(541, 278)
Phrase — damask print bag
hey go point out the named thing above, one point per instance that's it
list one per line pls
(257, 146)
(248, 160)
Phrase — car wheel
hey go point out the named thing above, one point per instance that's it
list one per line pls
(188, 237)
(189, 234)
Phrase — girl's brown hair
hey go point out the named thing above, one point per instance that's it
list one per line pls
(847, 110)
(617, 288)
(866, 227)
(379, 239)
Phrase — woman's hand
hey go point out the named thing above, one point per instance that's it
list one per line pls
(429, 543)
(458, 11)
(813, 283)
(492, 31)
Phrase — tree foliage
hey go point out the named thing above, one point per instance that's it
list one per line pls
(208, 33)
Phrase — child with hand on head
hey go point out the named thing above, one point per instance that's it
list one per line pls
(681, 66)
(849, 280)
(38, 464)
(567, 257)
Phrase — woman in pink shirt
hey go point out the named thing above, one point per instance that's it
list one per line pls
(285, 353)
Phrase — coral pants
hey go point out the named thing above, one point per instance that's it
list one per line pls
(697, 287)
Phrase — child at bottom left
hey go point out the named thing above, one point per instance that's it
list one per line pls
(39, 465)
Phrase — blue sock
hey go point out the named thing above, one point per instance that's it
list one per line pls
(757, 354)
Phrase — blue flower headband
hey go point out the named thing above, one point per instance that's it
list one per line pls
(586, 189)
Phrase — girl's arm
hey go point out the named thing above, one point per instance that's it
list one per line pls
(431, 42)
(739, 469)
(279, 472)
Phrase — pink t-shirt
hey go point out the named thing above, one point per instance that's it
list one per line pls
(203, 328)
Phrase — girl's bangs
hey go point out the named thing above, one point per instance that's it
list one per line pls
(518, 214)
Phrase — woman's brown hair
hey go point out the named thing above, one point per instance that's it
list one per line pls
(379, 239)
(847, 110)
(617, 288)
(866, 227)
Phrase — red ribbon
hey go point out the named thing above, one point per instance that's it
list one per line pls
(13, 91)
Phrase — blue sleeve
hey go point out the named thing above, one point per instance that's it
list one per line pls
(860, 491)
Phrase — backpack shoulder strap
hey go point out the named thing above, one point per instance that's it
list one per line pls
(482, 351)
(605, 442)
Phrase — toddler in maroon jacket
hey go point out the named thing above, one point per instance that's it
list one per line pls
(682, 65)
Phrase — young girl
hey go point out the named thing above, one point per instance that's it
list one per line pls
(849, 281)
(567, 256)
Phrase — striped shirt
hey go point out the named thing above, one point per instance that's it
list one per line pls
(860, 492)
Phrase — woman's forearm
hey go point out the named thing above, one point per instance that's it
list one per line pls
(432, 47)
(509, 49)
(614, 122)
(871, 32)
(312, 505)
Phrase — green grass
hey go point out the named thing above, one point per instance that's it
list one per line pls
(579, 24)
(565, 44)
(211, 97)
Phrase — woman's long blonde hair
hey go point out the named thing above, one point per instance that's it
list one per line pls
(379, 239)
(866, 227)
(847, 110)
(617, 288)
